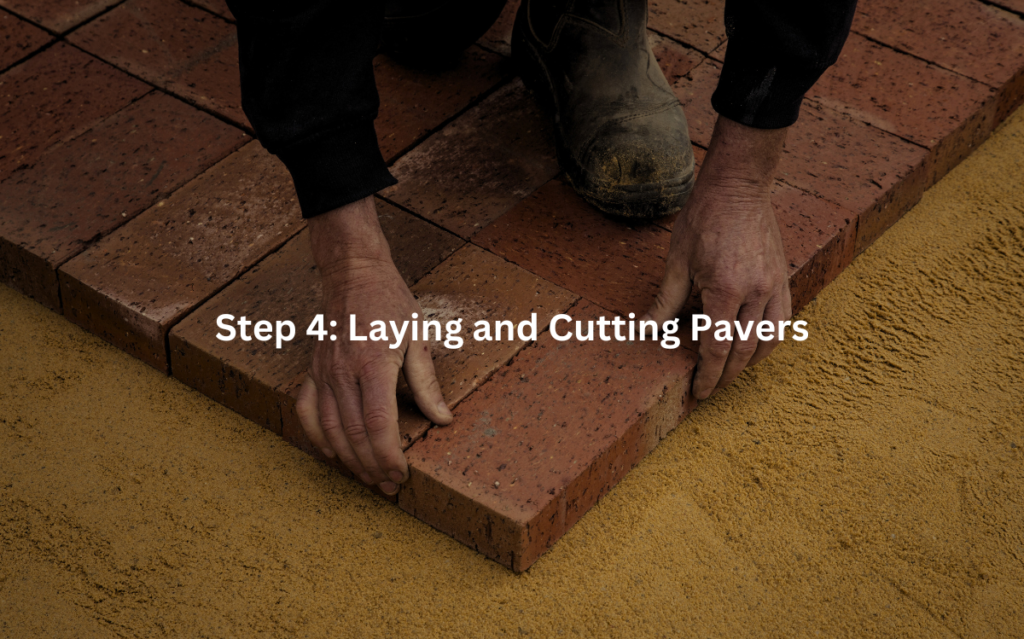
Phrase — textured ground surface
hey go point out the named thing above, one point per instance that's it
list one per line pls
(866, 482)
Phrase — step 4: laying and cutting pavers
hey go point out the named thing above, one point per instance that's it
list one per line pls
(505, 264)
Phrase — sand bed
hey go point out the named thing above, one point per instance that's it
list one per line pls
(866, 482)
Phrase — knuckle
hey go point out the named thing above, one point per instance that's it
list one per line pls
(761, 288)
(339, 370)
(376, 420)
(372, 367)
(306, 410)
(355, 432)
(745, 348)
(718, 350)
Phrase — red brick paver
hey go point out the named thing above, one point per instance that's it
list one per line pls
(58, 15)
(542, 441)
(220, 7)
(542, 429)
(978, 40)
(480, 165)
(18, 39)
(55, 96)
(414, 103)
(253, 378)
(558, 236)
(698, 23)
(183, 49)
(133, 285)
(81, 190)
(944, 111)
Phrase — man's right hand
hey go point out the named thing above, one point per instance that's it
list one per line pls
(347, 404)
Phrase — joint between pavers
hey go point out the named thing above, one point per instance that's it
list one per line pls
(32, 54)
(419, 217)
(685, 45)
(472, 103)
(208, 10)
(511, 361)
(210, 112)
(199, 304)
(922, 59)
(996, 4)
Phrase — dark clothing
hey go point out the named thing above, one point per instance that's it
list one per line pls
(309, 91)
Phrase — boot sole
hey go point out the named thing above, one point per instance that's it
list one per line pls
(645, 201)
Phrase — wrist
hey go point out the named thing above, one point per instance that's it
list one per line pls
(742, 158)
(347, 238)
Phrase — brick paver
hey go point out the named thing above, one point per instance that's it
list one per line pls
(18, 39)
(180, 48)
(540, 443)
(698, 23)
(253, 377)
(544, 428)
(132, 286)
(480, 165)
(81, 190)
(973, 38)
(414, 103)
(58, 15)
(55, 96)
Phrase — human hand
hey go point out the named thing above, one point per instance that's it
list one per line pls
(726, 247)
(347, 404)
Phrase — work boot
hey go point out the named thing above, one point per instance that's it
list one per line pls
(432, 33)
(620, 132)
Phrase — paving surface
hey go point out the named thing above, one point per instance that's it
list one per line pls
(865, 483)
(135, 203)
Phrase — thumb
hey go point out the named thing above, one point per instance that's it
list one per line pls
(419, 373)
(675, 290)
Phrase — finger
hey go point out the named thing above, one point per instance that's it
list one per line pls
(330, 423)
(742, 349)
(674, 291)
(774, 312)
(713, 353)
(350, 406)
(380, 418)
(309, 416)
(419, 372)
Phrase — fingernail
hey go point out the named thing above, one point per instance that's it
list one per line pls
(396, 476)
(365, 478)
(328, 453)
(442, 407)
(388, 488)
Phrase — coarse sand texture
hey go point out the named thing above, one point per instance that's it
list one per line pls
(866, 482)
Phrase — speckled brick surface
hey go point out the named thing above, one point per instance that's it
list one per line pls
(58, 15)
(18, 39)
(558, 236)
(480, 165)
(539, 444)
(543, 428)
(698, 23)
(253, 377)
(415, 103)
(55, 96)
(181, 48)
(132, 286)
(81, 190)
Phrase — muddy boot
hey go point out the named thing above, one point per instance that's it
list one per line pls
(620, 132)
(432, 33)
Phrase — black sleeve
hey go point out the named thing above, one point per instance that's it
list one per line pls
(308, 90)
(777, 50)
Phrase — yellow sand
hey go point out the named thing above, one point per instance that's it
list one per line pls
(867, 482)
